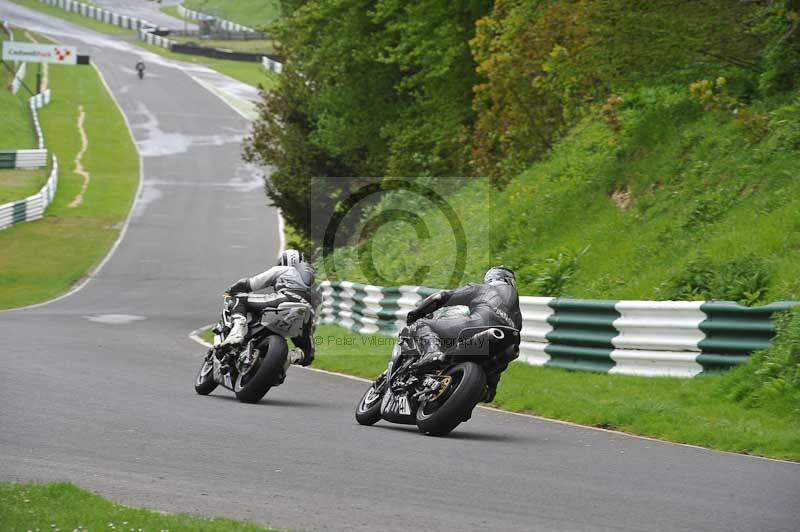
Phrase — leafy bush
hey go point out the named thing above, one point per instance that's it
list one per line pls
(744, 280)
(784, 126)
(772, 376)
(550, 277)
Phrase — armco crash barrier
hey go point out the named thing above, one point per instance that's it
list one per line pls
(270, 63)
(646, 338)
(145, 28)
(36, 158)
(226, 25)
(32, 207)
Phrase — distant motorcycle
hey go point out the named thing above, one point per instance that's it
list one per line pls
(261, 360)
(140, 69)
(437, 400)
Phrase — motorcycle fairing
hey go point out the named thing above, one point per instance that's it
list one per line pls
(399, 408)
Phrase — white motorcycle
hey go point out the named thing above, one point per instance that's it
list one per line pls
(260, 362)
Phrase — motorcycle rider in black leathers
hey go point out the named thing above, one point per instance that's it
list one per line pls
(493, 303)
(292, 280)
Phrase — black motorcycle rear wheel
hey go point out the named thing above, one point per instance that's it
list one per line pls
(204, 384)
(368, 411)
(455, 405)
(254, 385)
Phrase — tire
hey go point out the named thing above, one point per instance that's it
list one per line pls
(368, 411)
(440, 418)
(250, 389)
(204, 384)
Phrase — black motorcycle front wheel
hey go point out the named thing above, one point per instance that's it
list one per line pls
(204, 384)
(440, 417)
(368, 411)
(250, 387)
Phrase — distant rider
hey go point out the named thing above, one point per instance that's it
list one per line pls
(140, 69)
(292, 280)
(495, 302)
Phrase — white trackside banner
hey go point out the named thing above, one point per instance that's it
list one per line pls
(39, 53)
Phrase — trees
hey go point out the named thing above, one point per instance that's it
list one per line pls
(480, 87)
(370, 88)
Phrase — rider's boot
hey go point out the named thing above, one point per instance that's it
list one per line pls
(294, 356)
(238, 331)
(492, 380)
(432, 354)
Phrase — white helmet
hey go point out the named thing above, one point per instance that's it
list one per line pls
(500, 275)
(290, 257)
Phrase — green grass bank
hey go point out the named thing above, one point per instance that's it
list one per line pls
(63, 506)
(251, 13)
(673, 199)
(251, 73)
(43, 259)
(16, 127)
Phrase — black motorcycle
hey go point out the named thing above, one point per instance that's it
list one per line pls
(437, 400)
(260, 362)
(140, 69)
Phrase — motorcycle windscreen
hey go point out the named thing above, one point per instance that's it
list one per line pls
(399, 408)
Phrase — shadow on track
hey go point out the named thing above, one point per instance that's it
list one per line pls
(271, 401)
(464, 435)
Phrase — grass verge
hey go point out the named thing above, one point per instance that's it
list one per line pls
(697, 411)
(263, 46)
(90, 23)
(16, 126)
(251, 13)
(62, 506)
(683, 203)
(44, 258)
(19, 184)
(173, 12)
(251, 73)
(207, 335)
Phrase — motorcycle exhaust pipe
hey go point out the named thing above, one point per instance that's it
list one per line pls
(481, 343)
(497, 334)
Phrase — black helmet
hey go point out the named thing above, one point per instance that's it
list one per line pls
(500, 274)
(290, 257)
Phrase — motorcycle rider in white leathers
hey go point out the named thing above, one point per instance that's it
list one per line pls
(292, 280)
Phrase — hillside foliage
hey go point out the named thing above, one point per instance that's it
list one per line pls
(624, 148)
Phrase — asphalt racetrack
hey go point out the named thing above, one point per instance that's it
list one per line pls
(97, 386)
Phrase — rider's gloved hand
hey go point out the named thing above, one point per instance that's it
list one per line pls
(412, 316)
(242, 285)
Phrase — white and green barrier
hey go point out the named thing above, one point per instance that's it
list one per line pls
(144, 28)
(149, 37)
(100, 14)
(32, 207)
(271, 65)
(19, 77)
(226, 25)
(33, 158)
(19, 74)
(646, 338)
